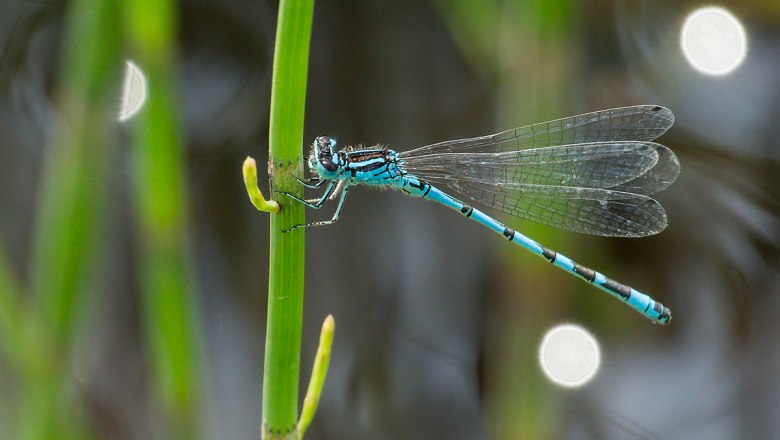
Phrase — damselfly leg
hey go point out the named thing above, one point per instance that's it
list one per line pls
(314, 182)
(344, 190)
(313, 203)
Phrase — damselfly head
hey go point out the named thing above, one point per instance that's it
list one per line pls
(324, 159)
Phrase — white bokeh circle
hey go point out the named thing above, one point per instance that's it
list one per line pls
(569, 355)
(133, 91)
(713, 41)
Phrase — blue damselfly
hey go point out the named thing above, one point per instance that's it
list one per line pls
(591, 173)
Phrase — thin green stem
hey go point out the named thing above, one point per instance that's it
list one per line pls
(285, 284)
(68, 219)
(75, 167)
(169, 304)
(10, 312)
(318, 374)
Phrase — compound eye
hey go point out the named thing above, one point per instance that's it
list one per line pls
(326, 143)
(329, 165)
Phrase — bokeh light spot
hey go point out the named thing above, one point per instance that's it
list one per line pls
(569, 355)
(713, 41)
(133, 92)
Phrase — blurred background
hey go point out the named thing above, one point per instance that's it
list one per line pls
(118, 238)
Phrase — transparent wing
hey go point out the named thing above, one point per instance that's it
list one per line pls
(637, 123)
(590, 173)
(661, 176)
(637, 167)
(594, 211)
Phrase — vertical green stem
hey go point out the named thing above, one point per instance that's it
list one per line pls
(74, 176)
(318, 373)
(285, 284)
(169, 306)
(68, 218)
(10, 312)
(541, 31)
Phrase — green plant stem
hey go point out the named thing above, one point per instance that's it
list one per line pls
(466, 20)
(68, 218)
(168, 306)
(10, 312)
(318, 374)
(285, 284)
(75, 166)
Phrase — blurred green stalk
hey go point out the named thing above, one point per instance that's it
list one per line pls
(474, 26)
(526, 51)
(68, 222)
(169, 306)
(75, 167)
(533, 84)
(285, 284)
(318, 374)
(10, 313)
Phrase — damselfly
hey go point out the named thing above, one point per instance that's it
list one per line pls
(591, 173)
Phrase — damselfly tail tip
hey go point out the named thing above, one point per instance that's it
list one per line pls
(665, 317)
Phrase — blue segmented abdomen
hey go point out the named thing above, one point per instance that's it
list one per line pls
(640, 302)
